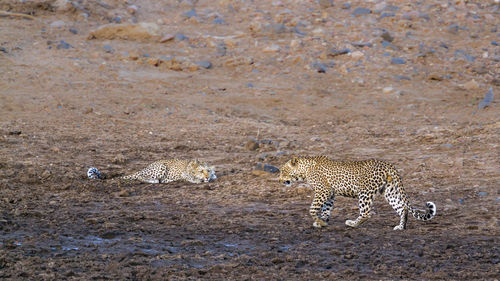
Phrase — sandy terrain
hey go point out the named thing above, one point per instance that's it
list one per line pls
(237, 84)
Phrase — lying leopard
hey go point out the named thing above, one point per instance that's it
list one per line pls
(164, 171)
(356, 179)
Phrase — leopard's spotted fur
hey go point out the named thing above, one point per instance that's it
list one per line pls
(164, 171)
(357, 179)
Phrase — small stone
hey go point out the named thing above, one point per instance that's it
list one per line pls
(108, 49)
(166, 38)
(410, 15)
(219, 21)
(117, 19)
(124, 193)
(362, 44)
(190, 14)
(346, 6)
(471, 85)
(495, 43)
(357, 54)
(132, 9)
(459, 54)
(335, 52)
(387, 36)
(387, 90)
(453, 28)
(267, 168)
(447, 145)
(138, 31)
(324, 4)
(3, 50)
(57, 24)
(252, 144)
(488, 98)
(482, 193)
(319, 67)
(204, 64)
(63, 45)
(401, 77)
(181, 37)
(54, 149)
(73, 30)
(119, 159)
(387, 15)
(272, 49)
(221, 49)
(398, 61)
(361, 11)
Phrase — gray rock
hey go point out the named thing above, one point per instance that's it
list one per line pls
(462, 54)
(448, 145)
(361, 11)
(319, 67)
(362, 44)
(398, 61)
(387, 15)
(387, 36)
(391, 8)
(402, 77)
(190, 14)
(221, 49)
(346, 6)
(453, 28)
(298, 31)
(205, 64)
(3, 50)
(495, 43)
(249, 85)
(181, 37)
(267, 168)
(488, 98)
(324, 4)
(335, 52)
(219, 21)
(482, 193)
(63, 45)
(117, 19)
(73, 30)
(108, 49)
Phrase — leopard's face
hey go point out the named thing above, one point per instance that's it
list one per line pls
(200, 172)
(291, 172)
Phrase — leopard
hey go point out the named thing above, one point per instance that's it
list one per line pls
(354, 179)
(165, 171)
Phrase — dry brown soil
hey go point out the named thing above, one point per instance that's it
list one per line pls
(275, 77)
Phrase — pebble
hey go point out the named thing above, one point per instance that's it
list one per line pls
(132, 9)
(267, 168)
(387, 36)
(63, 45)
(471, 85)
(57, 24)
(138, 31)
(73, 30)
(221, 49)
(252, 144)
(495, 43)
(204, 64)
(219, 21)
(166, 38)
(181, 37)
(323, 4)
(361, 11)
(462, 54)
(402, 77)
(108, 49)
(488, 98)
(362, 44)
(335, 52)
(357, 54)
(116, 19)
(272, 49)
(190, 14)
(387, 90)
(346, 6)
(3, 50)
(482, 193)
(319, 67)
(398, 61)
(387, 15)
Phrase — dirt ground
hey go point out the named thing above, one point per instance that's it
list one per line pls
(238, 83)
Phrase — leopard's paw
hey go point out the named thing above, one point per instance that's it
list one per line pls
(351, 223)
(319, 223)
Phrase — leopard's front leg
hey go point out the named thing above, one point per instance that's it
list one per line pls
(321, 203)
(365, 203)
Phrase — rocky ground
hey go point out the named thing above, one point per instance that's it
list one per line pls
(241, 84)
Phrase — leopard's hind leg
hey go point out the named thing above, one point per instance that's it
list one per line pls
(394, 194)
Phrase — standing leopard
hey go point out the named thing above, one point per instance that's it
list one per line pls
(355, 179)
(164, 171)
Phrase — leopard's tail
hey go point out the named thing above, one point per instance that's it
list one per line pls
(94, 174)
(426, 215)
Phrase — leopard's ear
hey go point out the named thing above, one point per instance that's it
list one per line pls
(294, 161)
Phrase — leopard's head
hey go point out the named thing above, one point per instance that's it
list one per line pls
(198, 172)
(291, 171)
